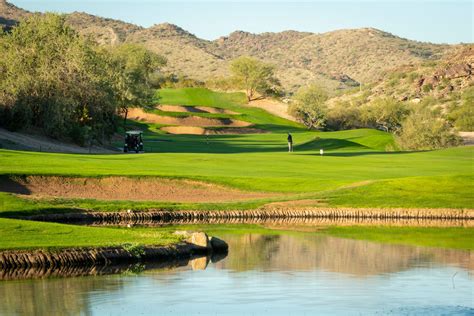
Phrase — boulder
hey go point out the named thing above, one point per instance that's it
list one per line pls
(218, 245)
(459, 70)
(199, 239)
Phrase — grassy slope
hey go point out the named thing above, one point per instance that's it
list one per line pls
(355, 170)
(230, 101)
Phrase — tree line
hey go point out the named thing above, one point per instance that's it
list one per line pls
(58, 82)
(415, 126)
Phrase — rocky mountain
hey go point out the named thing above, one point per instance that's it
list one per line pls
(442, 81)
(335, 60)
(10, 15)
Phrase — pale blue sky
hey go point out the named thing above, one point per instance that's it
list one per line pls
(424, 20)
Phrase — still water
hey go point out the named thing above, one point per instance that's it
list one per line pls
(300, 274)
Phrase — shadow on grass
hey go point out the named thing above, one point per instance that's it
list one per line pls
(359, 153)
(40, 211)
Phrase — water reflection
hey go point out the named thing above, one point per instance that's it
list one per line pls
(267, 274)
(355, 257)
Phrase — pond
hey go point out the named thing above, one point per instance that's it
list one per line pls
(267, 274)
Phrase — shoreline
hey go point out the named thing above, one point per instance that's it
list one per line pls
(262, 214)
(197, 244)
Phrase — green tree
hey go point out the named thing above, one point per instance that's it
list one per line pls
(385, 113)
(309, 107)
(254, 76)
(425, 130)
(135, 65)
(53, 79)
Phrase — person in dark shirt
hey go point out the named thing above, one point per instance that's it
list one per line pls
(290, 142)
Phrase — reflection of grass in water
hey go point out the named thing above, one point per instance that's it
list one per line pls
(446, 237)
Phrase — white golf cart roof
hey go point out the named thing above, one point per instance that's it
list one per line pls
(134, 132)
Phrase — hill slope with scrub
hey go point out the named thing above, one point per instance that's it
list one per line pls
(336, 60)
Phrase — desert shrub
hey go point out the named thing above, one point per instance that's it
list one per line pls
(463, 115)
(221, 83)
(385, 114)
(344, 115)
(412, 76)
(427, 87)
(425, 130)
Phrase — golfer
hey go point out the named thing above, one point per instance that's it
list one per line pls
(290, 143)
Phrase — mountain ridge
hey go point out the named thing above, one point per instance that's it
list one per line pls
(362, 55)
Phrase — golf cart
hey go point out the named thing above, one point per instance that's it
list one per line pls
(133, 141)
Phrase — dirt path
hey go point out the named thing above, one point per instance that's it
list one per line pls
(122, 188)
(21, 141)
(274, 107)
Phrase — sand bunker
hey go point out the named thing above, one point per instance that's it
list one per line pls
(140, 115)
(194, 130)
(123, 188)
(193, 109)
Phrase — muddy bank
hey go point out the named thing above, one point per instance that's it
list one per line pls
(310, 215)
(198, 244)
(124, 188)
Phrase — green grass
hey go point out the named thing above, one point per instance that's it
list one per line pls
(230, 101)
(356, 169)
(19, 234)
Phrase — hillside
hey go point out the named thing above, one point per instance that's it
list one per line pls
(442, 81)
(336, 60)
(10, 15)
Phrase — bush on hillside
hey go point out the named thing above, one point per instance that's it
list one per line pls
(385, 114)
(159, 80)
(463, 115)
(344, 115)
(425, 130)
